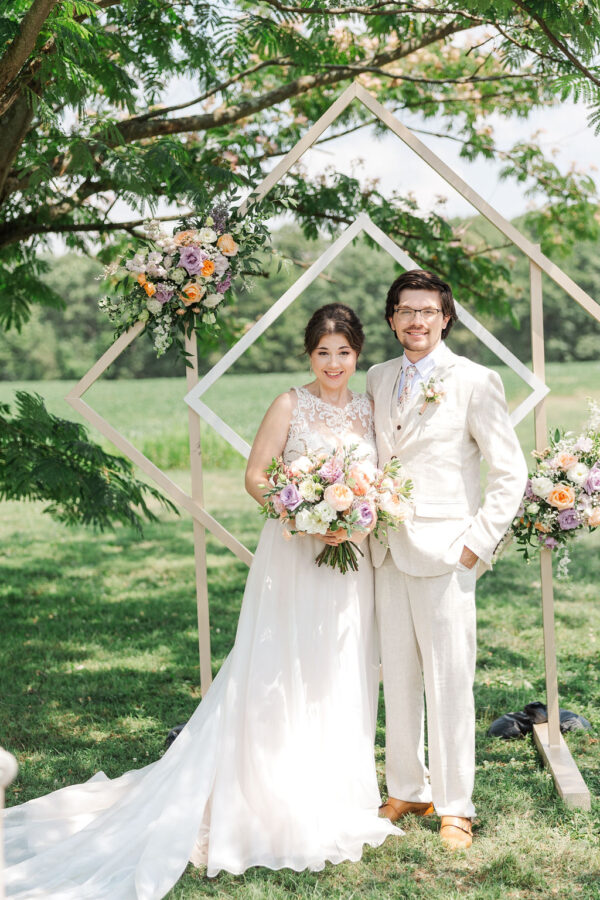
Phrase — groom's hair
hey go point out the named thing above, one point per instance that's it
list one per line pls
(420, 280)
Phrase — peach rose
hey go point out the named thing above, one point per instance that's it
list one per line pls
(149, 288)
(566, 460)
(561, 497)
(193, 293)
(184, 238)
(339, 496)
(593, 517)
(393, 505)
(360, 479)
(208, 267)
(227, 245)
(539, 526)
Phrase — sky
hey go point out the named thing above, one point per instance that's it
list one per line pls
(563, 127)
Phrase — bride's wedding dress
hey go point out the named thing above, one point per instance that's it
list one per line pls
(276, 766)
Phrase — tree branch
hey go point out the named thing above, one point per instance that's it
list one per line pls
(23, 44)
(560, 45)
(132, 130)
(277, 61)
(375, 9)
(467, 79)
(20, 229)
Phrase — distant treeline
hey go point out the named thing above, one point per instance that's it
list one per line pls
(64, 343)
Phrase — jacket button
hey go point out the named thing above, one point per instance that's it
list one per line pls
(398, 427)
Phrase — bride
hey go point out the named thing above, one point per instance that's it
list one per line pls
(276, 766)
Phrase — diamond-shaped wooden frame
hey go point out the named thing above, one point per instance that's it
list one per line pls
(361, 224)
(568, 781)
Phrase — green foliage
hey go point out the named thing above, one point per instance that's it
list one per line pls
(84, 121)
(43, 457)
(64, 343)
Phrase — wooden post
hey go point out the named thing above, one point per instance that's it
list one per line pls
(191, 347)
(550, 743)
(8, 771)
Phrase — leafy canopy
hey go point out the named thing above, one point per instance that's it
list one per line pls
(83, 119)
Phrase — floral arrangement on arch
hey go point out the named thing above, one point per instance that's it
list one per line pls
(323, 492)
(178, 283)
(562, 496)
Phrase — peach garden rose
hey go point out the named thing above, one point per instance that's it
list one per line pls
(562, 496)
(339, 496)
(227, 245)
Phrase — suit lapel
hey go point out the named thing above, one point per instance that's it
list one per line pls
(410, 418)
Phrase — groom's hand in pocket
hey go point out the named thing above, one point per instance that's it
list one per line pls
(467, 558)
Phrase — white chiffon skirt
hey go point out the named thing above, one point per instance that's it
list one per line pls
(275, 768)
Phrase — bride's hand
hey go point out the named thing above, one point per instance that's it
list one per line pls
(333, 538)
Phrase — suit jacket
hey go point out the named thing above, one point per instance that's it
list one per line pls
(440, 450)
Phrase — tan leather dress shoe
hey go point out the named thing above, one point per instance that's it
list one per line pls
(394, 809)
(456, 832)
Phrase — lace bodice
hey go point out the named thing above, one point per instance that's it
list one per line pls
(317, 425)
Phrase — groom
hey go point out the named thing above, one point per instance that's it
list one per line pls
(438, 413)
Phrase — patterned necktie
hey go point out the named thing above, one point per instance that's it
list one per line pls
(409, 374)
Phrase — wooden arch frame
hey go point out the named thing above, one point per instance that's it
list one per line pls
(568, 780)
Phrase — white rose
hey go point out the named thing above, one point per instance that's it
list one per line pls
(308, 522)
(541, 486)
(221, 264)
(325, 512)
(212, 300)
(301, 466)
(207, 236)
(532, 508)
(310, 490)
(578, 473)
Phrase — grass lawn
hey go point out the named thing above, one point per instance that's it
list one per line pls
(99, 659)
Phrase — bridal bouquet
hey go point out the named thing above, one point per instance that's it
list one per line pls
(318, 493)
(562, 495)
(178, 282)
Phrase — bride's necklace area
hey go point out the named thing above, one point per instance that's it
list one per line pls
(335, 404)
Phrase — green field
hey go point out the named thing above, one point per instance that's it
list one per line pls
(98, 650)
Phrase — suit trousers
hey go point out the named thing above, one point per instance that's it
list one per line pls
(427, 632)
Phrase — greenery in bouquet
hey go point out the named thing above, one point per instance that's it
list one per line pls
(178, 283)
(321, 493)
(562, 496)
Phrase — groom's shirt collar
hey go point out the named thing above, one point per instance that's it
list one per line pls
(426, 364)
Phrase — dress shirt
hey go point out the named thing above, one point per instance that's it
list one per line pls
(424, 367)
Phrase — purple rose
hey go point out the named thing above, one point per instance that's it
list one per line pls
(592, 484)
(331, 471)
(225, 284)
(529, 491)
(365, 514)
(549, 542)
(191, 259)
(163, 292)
(568, 519)
(290, 497)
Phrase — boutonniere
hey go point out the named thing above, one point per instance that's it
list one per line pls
(433, 391)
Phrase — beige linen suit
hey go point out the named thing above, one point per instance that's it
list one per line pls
(425, 599)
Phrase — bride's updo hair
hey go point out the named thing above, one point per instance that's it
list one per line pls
(335, 318)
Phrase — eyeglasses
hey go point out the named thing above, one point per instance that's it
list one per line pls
(408, 314)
